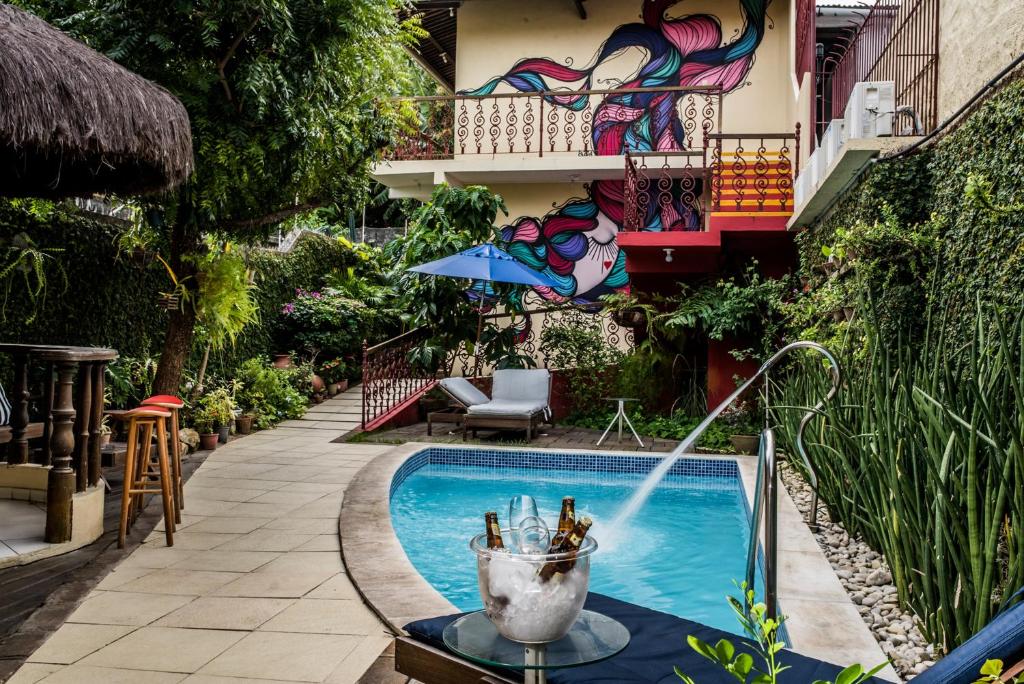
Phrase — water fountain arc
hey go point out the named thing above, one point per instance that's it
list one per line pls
(636, 501)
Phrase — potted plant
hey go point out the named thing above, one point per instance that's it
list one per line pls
(203, 420)
(334, 373)
(282, 361)
(105, 431)
(745, 438)
(243, 423)
(219, 406)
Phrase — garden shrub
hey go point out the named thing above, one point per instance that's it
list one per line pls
(269, 393)
(576, 344)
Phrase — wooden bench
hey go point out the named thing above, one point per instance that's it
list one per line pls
(32, 431)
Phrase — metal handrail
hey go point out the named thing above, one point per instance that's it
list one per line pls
(766, 501)
(766, 488)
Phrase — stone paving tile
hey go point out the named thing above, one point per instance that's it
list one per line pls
(301, 657)
(125, 608)
(79, 674)
(318, 616)
(165, 649)
(74, 642)
(360, 660)
(267, 540)
(180, 581)
(225, 524)
(213, 612)
(30, 673)
(253, 589)
(227, 561)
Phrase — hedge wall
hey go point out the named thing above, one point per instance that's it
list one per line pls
(111, 298)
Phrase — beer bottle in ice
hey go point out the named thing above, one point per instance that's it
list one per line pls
(494, 540)
(570, 544)
(566, 521)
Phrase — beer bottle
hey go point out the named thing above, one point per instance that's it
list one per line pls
(570, 544)
(494, 540)
(566, 521)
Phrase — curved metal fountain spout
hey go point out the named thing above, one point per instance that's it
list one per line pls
(688, 443)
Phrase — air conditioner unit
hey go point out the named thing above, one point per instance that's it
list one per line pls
(831, 142)
(869, 113)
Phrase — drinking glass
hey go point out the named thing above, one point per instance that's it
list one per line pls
(519, 507)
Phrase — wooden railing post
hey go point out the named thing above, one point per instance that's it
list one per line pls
(19, 411)
(61, 485)
(81, 427)
(96, 420)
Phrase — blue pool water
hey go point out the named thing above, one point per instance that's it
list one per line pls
(680, 554)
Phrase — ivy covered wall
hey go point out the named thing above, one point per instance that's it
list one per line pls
(110, 297)
(979, 248)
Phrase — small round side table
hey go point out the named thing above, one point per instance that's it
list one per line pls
(592, 638)
(620, 415)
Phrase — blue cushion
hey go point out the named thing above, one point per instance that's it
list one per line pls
(1002, 638)
(658, 643)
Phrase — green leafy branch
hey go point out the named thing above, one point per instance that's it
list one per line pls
(23, 256)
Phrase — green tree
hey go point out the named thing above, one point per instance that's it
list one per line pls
(453, 220)
(288, 104)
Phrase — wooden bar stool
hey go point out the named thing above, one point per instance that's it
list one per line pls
(173, 404)
(139, 475)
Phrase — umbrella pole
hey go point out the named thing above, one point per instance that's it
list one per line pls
(479, 332)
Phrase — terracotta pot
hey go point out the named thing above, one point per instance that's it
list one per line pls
(745, 444)
(282, 360)
(317, 383)
(208, 442)
(243, 424)
(343, 385)
(104, 440)
(223, 432)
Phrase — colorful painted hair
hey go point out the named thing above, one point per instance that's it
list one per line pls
(683, 51)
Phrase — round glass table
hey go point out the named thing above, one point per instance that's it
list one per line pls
(593, 638)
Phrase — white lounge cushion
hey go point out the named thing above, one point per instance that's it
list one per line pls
(464, 391)
(500, 407)
(520, 385)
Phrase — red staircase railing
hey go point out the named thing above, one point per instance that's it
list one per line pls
(390, 380)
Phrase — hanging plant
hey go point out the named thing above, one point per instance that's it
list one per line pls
(22, 257)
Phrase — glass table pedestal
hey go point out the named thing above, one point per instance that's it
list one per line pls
(592, 638)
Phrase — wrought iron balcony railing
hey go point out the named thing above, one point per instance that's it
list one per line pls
(548, 122)
(738, 174)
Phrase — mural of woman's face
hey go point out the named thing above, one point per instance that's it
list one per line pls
(575, 243)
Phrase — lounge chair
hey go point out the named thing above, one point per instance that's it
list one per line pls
(658, 644)
(520, 400)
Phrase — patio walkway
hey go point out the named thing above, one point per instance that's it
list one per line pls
(254, 587)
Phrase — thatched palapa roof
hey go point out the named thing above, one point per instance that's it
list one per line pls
(73, 122)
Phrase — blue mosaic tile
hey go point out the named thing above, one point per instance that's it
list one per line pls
(459, 457)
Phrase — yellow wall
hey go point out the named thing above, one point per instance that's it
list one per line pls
(977, 38)
(494, 34)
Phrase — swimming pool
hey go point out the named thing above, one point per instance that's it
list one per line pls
(680, 554)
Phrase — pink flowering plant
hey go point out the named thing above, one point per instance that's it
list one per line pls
(329, 324)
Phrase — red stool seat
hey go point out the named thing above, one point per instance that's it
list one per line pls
(168, 400)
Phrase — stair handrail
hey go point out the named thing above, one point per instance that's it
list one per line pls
(835, 371)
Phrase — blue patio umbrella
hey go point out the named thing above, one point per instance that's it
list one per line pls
(485, 263)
